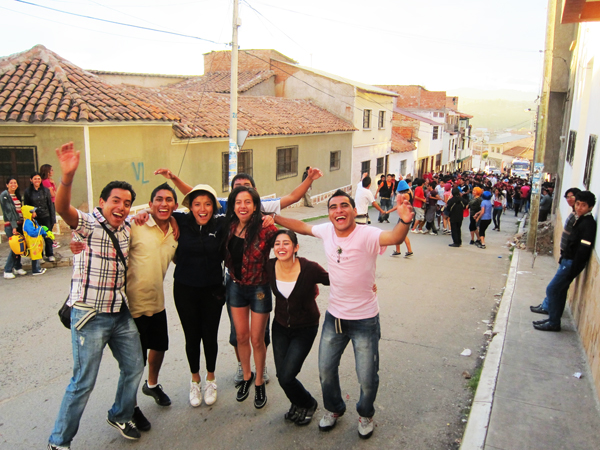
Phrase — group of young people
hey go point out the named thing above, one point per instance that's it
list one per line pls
(117, 295)
(32, 215)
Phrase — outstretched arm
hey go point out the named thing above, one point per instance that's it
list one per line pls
(399, 232)
(298, 193)
(296, 226)
(69, 161)
(183, 187)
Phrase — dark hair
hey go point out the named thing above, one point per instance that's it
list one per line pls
(288, 233)
(163, 187)
(366, 181)
(255, 223)
(340, 193)
(243, 176)
(418, 181)
(34, 174)
(586, 197)
(45, 171)
(433, 185)
(17, 192)
(573, 191)
(117, 185)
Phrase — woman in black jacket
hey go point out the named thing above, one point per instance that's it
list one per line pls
(294, 283)
(455, 207)
(40, 198)
(10, 201)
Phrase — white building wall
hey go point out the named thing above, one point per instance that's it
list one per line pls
(395, 163)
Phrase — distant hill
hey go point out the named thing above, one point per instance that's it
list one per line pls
(497, 94)
(498, 114)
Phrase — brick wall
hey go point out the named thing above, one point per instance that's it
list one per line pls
(247, 60)
(417, 97)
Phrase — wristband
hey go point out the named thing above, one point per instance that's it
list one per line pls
(405, 223)
(64, 184)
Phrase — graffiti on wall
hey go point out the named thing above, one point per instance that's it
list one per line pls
(139, 172)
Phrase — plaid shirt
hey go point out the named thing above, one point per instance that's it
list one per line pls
(254, 259)
(98, 274)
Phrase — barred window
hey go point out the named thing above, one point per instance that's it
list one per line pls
(367, 118)
(287, 162)
(244, 166)
(334, 160)
(381, 119)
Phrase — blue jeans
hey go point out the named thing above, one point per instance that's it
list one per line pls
(118, 330)
(386, 205)
(365, 335)
(291, 346)
(13, 261)
(556, 291)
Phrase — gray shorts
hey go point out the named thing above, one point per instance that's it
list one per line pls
(419, 214)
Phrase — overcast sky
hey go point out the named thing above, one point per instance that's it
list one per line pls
(439, 44)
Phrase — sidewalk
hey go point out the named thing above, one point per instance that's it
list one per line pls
(528, 396)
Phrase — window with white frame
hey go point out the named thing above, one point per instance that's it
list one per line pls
(380, 165)
(287, 162)
(367, 118)
(403, 167)
(381, 122)
(435, 133)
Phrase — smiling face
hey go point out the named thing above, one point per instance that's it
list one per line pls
(36, 181)
(162, 206)
(116, 207)
(570, 198)
(12, 186)
(342, 214)
(244, 207)
(284, 248)
(202, 208)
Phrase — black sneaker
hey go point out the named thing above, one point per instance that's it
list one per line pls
(140, 420)
(127, 429)
(260, 396)
(305, 415)
(157, 392)
(292, 414)
(407, 254)
(472, 242)
(244, 389)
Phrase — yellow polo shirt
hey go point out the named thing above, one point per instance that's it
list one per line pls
(150, 252)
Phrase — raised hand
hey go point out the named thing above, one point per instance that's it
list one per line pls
(69, 161)
(165, 173)
(314, 173)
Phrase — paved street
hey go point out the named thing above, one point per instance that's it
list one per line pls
(432, 307)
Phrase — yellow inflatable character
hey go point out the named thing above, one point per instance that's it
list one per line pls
(34, 236)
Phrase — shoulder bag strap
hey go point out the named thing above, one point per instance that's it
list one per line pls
(115, 242)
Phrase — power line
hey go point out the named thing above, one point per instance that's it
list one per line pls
(121, 23)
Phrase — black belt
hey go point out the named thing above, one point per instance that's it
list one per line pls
(362, 215)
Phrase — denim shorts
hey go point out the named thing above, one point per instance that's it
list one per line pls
(258, 298)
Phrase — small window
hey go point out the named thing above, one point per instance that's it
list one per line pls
(381, 123)
(334, 160)
(571, 146)
(365, 166)
(244, 166)
(435, 133)
(403, 168)
(367, 118)
(589, 161)
(380, 165)
(18, 162)
(287, 162)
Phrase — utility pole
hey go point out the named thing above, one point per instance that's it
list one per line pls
(541, 130)
(233, 146)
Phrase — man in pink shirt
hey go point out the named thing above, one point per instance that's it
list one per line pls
(353, 312)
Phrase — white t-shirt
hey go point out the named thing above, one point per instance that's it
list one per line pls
(363, 199)
(440, 193)
(351, 293)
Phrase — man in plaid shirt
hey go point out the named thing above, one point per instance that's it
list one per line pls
(98, 291)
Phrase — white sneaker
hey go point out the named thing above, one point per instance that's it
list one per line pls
(239, 375)
(9, 275)
(51, 258)
(41, 272)
(265, 375)
(19, 272)
(210, 391)
(328, 421)
(365, 427)
(195, 394)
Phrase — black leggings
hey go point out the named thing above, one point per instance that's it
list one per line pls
(46, 222)
(199, 310)
(497, 213)
(483, 224)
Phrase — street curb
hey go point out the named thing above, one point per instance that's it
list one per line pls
(477, 426)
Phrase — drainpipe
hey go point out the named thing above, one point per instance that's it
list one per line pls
(541, 131)
(88, 168)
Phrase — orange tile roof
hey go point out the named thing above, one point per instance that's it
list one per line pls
(519, 152)
(206, 115)
(40, 86)
(400, 144)
(221, 81)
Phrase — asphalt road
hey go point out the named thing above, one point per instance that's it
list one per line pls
(432, 307)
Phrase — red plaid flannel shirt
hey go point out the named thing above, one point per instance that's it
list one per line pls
(254, 259)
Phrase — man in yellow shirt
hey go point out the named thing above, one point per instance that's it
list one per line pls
(151, 250)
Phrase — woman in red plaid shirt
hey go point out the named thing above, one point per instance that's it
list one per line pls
(247, 250)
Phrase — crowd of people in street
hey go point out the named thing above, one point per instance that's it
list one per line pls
(222, 254)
